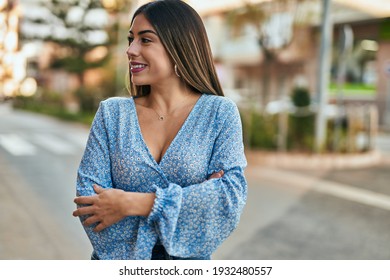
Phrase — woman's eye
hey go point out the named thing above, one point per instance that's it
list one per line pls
(145, 40)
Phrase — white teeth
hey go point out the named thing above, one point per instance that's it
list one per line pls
(137, 66)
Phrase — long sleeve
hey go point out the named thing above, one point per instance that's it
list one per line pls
(194, 220)
(115, 158)
(95, 166)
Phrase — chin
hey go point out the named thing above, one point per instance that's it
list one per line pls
(139, 82)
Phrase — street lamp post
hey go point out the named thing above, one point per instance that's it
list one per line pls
(323, 75)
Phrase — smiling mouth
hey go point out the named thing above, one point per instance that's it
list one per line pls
(137, 67)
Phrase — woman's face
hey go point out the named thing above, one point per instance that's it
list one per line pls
(149, 62)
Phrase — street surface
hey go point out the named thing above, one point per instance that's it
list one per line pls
(39, 157)
(296, 214)
(290, 214)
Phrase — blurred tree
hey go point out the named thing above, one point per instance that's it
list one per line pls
(119, 23)
(301, 122)
(76, 27)
(300, 97)
(274, 22)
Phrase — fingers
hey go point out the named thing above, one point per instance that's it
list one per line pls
(85, 200)
(98, 189)
(91, 220)
(87, 210)
(94, 218)
(89, 199)
(217, 175)
(99, 227)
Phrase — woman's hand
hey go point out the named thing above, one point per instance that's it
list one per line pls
(109, 206)
(216, 175)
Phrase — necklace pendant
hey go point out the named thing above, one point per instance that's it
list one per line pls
(160, 118)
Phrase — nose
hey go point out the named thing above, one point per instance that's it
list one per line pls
(132, 50)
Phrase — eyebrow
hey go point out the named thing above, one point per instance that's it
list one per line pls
(144, 31)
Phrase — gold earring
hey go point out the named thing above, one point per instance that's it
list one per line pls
(176, 72)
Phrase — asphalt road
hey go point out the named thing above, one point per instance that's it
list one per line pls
(290, 214)
(296, 214)
(39, 157)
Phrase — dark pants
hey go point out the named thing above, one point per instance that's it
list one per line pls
(158, 253)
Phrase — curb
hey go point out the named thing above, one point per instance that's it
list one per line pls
(314, 161)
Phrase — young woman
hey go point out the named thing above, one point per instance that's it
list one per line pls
(162, 176)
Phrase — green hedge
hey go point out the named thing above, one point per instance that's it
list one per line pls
(261, 132)
(53, 108)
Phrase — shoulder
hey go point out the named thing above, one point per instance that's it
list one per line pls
(223, 105)
(116, 105)
(116, 101)
(114, 110)
(217, 100)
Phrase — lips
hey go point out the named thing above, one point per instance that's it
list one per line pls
(136, 67)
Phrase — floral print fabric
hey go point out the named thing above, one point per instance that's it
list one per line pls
(191, 215)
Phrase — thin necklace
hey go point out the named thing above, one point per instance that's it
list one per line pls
(161, 117)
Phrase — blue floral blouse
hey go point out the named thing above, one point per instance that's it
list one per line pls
(191, 215)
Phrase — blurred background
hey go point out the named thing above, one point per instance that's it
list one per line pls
(311, 79)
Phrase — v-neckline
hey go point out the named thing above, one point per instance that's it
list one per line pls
(187, 120)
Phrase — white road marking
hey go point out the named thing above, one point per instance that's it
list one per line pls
(80, 139)
(16, 145)
(354, 194)
(339, 190)
(54, 144)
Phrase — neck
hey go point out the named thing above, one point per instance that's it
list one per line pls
(168, 99)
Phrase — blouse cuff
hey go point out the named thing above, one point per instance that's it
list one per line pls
(166, 203)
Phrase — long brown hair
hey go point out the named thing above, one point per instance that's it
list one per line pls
(184, 37)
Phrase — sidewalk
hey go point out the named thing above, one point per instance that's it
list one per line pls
(278, 183)
(368, 171)
(313, 161)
